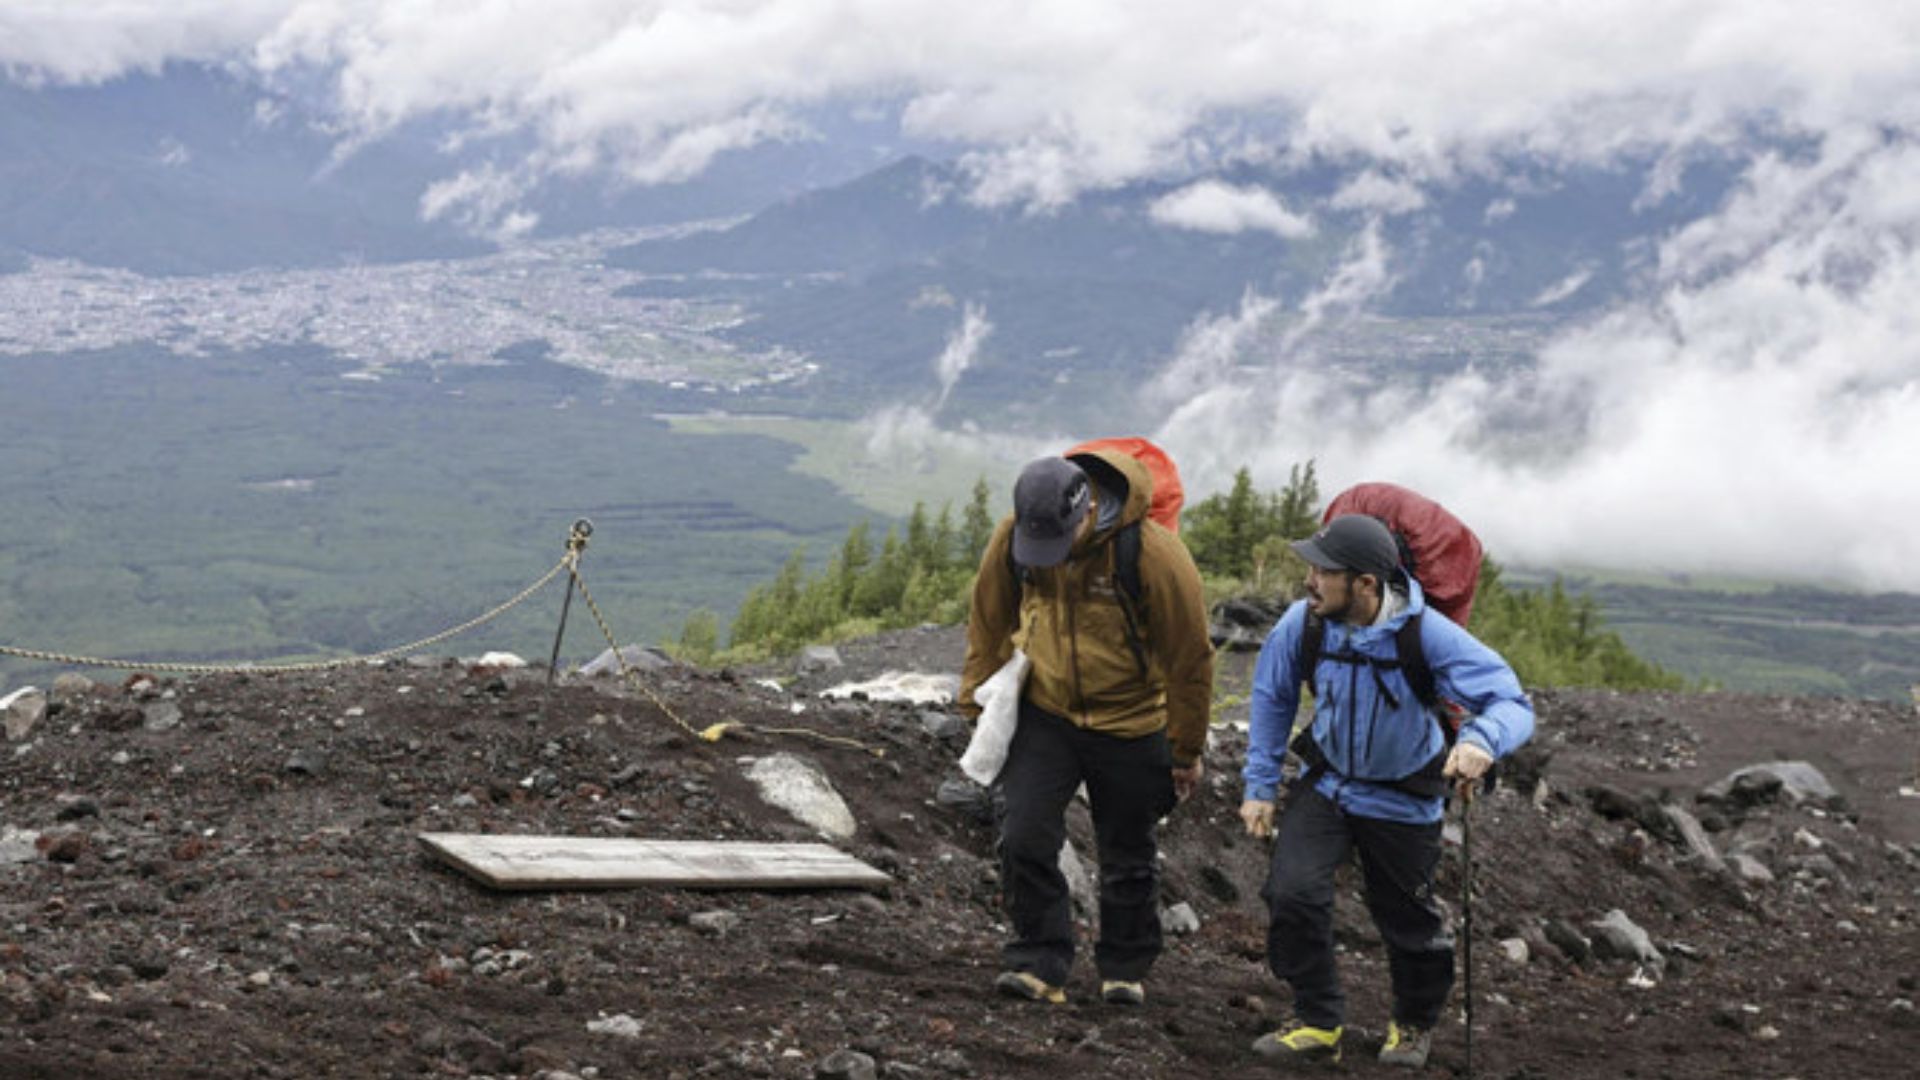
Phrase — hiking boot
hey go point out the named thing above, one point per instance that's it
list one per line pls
(1117, 992)
(1027, 985)
(1301, 1044)
(1406, 1045)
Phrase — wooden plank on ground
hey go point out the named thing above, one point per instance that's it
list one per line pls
(571, 862)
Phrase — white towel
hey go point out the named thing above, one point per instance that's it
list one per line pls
(999, 701)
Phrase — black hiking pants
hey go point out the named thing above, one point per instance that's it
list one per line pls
(1129, 788)
(1397, 861)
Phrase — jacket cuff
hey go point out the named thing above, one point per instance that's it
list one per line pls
(1262, 792)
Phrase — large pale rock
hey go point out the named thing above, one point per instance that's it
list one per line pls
(1080, 883)
(17, 845)
(1798, 781)
(801, 789)
(21, 711)
(818, 658)
(72, 685)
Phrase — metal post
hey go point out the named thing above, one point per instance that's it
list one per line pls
(576, 546)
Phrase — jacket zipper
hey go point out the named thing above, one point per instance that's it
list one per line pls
(1073, 650)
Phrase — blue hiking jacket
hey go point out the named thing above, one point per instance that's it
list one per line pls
(1368, 741)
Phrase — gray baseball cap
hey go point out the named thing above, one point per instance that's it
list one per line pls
(1049, 501)
(1358, 542)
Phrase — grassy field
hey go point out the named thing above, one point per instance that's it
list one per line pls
(260, 506)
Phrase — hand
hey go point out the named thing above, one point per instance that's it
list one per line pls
(1465, 766)
(1187, 779)
(1258, 818)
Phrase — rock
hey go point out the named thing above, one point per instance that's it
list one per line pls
(1241, 624)
(303, 763)
(1616, 805)
(17, 845)
(160, 716)
(1749, 869)
(967, 797)
(1571, 943)
(21, 710)
(817, 658)
(801, 789)
(620, 1026)
(1756, 784)
(64, 847)
(946, 726)
(638, 658)
(953, 1061)
(75, 807)
(1694, 836)
(499, 660)
(1180, 920)
(1617, 937)
(847, 1065)
(1080, 884)
(717, 923)
(72, 685)
(1515, 950)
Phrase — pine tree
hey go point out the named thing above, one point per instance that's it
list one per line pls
(976, 528)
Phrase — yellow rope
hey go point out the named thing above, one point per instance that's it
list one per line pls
(713, 732)
(565, 562)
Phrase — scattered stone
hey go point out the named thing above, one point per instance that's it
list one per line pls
(718, 923)
(72, 685)
(1767, 1033)
(1241, 624)
(18, 845)
(1515, 950)
(21, 710)
(160, 716)
(63, 847)
(799, 787)
(1180, 920)
(1749, 869)
(303, 763)
(75, 807)
(945, 726)
(1080, 884)
(1571, 943)
(499, 660)
(1617, 937)
(967, 797)
(817, 658)
(620, 1026)
(847, 1065)
(953, 1061)
(1694, 836)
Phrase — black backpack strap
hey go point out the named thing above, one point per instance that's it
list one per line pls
(1413, 663)
(1126, 574)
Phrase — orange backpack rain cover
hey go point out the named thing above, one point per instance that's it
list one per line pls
(1168, 495)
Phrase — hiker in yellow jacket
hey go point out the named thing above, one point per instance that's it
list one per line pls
(1117, 699)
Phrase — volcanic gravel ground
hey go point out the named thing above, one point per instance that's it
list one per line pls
(237, 889)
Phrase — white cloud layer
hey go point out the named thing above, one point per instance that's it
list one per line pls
(1757, 413)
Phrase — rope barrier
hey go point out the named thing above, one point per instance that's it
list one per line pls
(566, 561)
(570, 562)
(713, 732)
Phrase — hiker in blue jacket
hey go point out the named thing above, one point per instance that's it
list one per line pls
(1377, 766)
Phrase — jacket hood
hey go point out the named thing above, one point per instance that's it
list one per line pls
(1106, 466)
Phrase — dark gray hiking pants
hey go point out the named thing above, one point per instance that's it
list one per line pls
(1397, 861)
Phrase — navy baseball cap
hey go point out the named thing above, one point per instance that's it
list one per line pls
(1361, 543)
(1049, 501)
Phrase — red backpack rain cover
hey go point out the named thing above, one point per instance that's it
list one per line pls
(1446, 554)
(1168, 495)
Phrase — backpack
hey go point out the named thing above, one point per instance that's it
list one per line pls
(1164, 507)
(1444, 555)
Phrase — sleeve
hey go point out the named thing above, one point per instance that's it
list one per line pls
(1276, 698)
(1177, 627)
(1469, 672)
(992, 616)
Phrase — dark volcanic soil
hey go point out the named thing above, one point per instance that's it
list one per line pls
(243, 894)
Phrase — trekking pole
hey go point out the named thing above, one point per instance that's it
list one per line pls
(576, 544)
(1466, 907)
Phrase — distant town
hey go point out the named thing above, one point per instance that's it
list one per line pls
(382, 316)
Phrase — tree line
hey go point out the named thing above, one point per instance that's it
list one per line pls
(922, 572)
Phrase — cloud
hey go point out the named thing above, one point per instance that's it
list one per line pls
(483, 201)
(1370, 191)
(1211, 206)
(962, 347)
